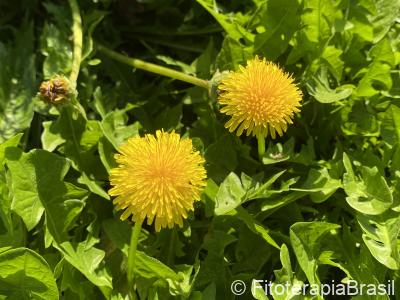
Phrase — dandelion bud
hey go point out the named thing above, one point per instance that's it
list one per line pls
(56, 90)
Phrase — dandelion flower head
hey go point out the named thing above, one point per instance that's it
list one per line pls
(158, 177)
(260, 98)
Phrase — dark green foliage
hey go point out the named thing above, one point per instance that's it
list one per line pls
(322, 204)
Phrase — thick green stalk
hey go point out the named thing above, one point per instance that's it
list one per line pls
(140, 64)
(132, 257)
(77, 39)
(261, 146)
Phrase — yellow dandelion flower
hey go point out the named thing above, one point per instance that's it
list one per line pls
(158, 177)
(260, 98)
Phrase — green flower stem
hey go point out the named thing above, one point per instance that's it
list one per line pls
(77, 39)
(261, 146)
(140, 64)
(132, 256)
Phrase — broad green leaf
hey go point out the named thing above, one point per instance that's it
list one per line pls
(368, 193)
(79, 143)
(277, 153)
(380, 234)
(359, 24)
(357, 120)
(277, 25)
(51, 139)
(377, 75)
(55, 43)
(332, 57)
(37, 187)
(286, 271)
(230, 195)
(24, 274)
(387, 12)
(349, 254)
(87, 260)
(232, 55)
(17, 83)
(306, 242)
(317, 19)
(115, 128)
(11, 142)
(320, 185)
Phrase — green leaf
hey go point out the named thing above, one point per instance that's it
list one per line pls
(147, 266)
(230, 195)
(51, 139)
(377, 75)
(229, 24)
(369, 194)
(17, 83)
(86, 260)
(77, 138)
(11, 142)
(350, 255)
(115, 128)
(319, 88)
(320, 185)
(332, 58)
(278, 24)
(91, 21)
(222, 153)
(232, 54)
(306, 242)
(258, 291)
(257, 190)
(317, 21)
(55, 43)
(24, 274)
(286, 277)
(38, 187)
(255, 227)
(387, 13)
(169, 118)
(281, 200)
(380, 234)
